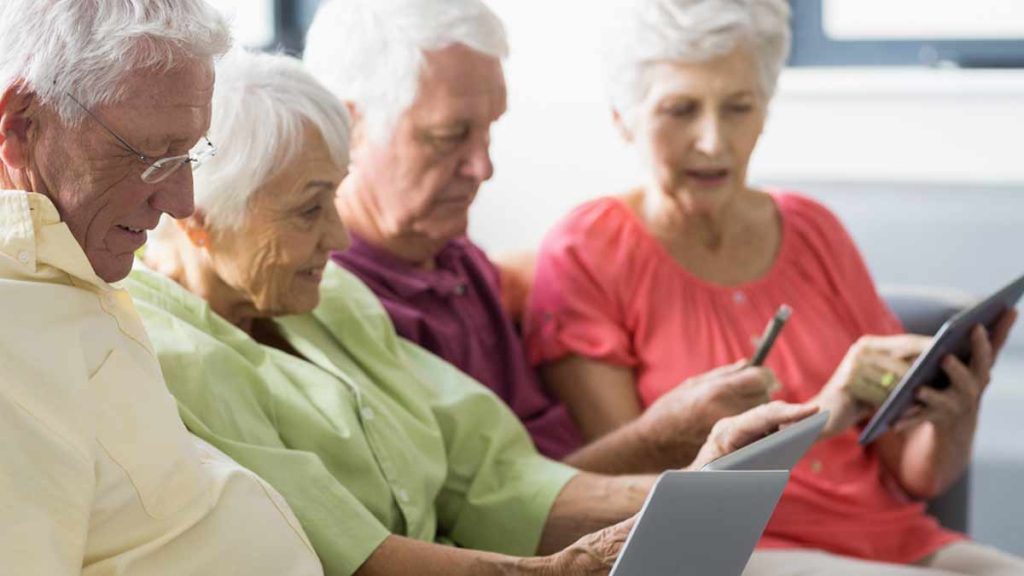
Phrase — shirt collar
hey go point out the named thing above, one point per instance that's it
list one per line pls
(405, 279)
(32, 234)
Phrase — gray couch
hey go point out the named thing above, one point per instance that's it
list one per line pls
(923, 311)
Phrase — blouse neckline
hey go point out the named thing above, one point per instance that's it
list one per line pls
(782, 254)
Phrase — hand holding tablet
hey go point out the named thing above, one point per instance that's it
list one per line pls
(953, 339)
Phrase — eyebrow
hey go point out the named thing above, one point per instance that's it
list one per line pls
(315, 187)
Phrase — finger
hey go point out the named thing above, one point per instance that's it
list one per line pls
(765, 419)
(905, 424)
(720, 371)
(752, 381)
(914, 411)
(900, 345)
(1002, 330)
(963, 381)
(940, 407)
(982, 355)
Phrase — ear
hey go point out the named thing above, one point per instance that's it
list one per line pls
(620, 124)
(195, 229)
(358, 130)
(17, 107)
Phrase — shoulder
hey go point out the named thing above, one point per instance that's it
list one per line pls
(599, 229)
(193, 343)
(806, 213)
(50, 348)
(350, 310)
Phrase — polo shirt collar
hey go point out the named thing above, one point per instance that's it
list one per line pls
(405, 279)
(32, 234)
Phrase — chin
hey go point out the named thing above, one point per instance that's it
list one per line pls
(112, 268)
(301, 304)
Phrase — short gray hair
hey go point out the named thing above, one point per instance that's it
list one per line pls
(652, 31)
(370, 52)
(263, 104)
(87, 48)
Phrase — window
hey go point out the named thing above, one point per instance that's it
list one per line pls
(252, 21)
(965, 33)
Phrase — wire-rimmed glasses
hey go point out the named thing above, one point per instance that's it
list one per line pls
(159, 169)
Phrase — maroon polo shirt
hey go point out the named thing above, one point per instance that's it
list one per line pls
(455, 312)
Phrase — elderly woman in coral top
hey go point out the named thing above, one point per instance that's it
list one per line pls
(636, 293)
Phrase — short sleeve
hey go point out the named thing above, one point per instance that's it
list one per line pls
(576, 304)
(342, 531)
(498, 491)
(223, 400)
(848, 272)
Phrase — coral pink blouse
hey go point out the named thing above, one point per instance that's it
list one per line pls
(606, 289)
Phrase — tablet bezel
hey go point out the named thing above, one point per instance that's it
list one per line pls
(952, 338)
(780, 450)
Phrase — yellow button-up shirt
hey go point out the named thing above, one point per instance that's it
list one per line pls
(98, 474)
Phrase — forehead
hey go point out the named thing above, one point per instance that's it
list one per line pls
(175, 102)
(303, 175)
(458, 82)
(724, 75)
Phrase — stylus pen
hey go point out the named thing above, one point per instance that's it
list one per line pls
(771, 332)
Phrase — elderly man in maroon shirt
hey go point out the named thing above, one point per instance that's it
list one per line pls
(423, 81)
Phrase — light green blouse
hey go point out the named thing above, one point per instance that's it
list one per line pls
(372, 435)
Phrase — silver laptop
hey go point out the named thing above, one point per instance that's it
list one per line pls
(704, 523)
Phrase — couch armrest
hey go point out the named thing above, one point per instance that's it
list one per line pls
(923, 310)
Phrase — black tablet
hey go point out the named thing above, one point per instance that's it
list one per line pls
(953, 338)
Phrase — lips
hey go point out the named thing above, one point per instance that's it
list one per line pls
(708, 177)
(314, 273)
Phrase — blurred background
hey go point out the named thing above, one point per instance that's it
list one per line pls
(906, 117)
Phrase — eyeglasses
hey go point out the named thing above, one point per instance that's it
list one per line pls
(159, 169)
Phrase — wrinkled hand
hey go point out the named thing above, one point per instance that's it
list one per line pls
(593, 554)
(872, 361)
(956, 407)
(733, 433)
(686, 414)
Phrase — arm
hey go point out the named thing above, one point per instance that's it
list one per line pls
(931, 446)
(592, 554)
(398, 556)
(46, 492)
(589, 507)
(602, 399)
(590, 502)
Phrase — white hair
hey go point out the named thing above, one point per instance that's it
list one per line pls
(652, 31)
(88, 48)
(263, 106)
(370, 52)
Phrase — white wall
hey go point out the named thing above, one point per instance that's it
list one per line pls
(556, 146)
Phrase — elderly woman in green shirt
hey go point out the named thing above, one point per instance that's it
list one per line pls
(382, 450)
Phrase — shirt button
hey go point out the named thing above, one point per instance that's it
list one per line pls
(367, 413)
(24, 256)
(109, 299)
(460, 289)
(817, 466)
(739, 297)
(403, 496)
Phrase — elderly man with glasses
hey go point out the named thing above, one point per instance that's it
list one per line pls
(102, 105)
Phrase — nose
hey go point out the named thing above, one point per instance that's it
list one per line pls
(477, 165)
(175, 196)
(709, 135)
(335, 236)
